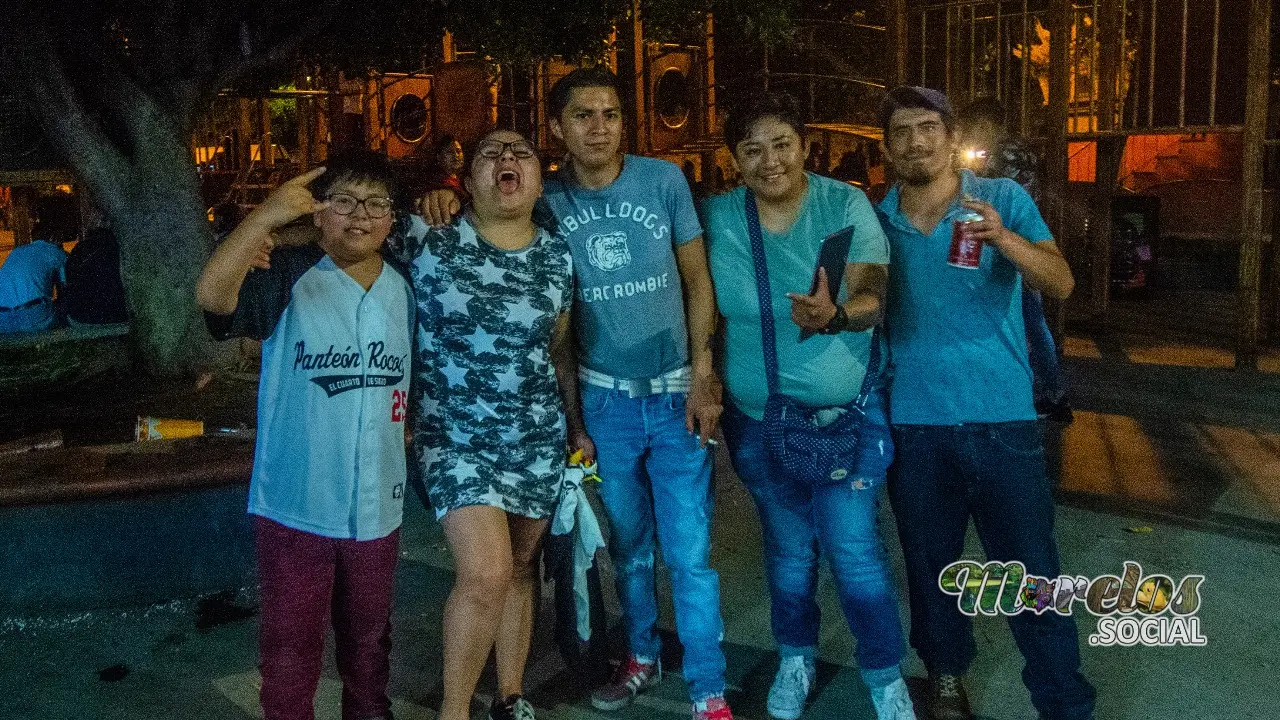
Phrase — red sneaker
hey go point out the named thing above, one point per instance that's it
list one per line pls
(631, 678)
(713, 708)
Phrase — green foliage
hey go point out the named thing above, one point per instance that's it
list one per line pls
(518, 33)
(767, 23)
(283, 108)
(164, 42)
(677, 22)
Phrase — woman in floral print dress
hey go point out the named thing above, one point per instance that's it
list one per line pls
(493, 292)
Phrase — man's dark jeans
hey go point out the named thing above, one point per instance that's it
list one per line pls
(995, 473)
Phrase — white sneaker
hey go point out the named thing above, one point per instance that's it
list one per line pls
(893, 702)
(791, 687)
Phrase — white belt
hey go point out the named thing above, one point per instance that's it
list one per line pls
(674, 381)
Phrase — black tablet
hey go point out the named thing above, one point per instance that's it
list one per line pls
(833, 255)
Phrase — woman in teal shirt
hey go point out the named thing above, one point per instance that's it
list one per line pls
(796, 211)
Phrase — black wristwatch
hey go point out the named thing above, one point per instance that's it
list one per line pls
(838, 324)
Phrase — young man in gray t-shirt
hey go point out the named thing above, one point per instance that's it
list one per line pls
(644, 319)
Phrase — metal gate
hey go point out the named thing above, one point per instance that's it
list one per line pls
(1177, 66)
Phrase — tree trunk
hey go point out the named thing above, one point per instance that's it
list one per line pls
(164, 242)
(144, 179)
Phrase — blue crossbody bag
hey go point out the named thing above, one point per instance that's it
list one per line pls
(806, 450)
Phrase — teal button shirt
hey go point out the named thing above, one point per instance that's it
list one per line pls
(959, 347)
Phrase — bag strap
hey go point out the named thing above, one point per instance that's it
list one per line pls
(873, 366)
(768, 336)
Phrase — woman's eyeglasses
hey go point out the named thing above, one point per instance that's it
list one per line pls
(493, 149)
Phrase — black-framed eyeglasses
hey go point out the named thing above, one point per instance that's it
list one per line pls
(375, 207)
(493, 149)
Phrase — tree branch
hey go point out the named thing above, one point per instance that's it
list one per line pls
(140, 111)
(29, 52)
(237, 66)
(185, 93)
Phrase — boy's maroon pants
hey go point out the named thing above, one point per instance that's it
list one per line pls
(306, 578)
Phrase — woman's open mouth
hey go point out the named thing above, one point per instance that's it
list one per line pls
(508, 182)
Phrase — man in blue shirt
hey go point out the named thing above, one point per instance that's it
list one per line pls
(964, 422)
(28, 278)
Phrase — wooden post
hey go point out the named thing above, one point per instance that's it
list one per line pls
(1107, 29)
(612, 57)
(266, 148)
(1053, 202)
(320, 122)
(896, 20)
(513, 107)
(1270, 314)
(372, 113)
(304, 126)
(707, 158)
(244, 133)
(495, 91)
(339, 136)
(1110, 151)
(638, 63)
(1255, 129)
(22, 199)
(320, 118)
(449, 51)
(710, 68)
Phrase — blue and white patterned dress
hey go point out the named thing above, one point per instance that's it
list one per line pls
(489, 425)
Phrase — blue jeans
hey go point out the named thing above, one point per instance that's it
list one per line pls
(657, 480)
(994, 472)
(838, 520)
(1050, 386)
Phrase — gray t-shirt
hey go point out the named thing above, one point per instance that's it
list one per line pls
(629, 318)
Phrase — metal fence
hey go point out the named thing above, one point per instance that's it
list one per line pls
(1178, 61)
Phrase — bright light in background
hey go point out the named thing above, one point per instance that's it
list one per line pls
(973, 157)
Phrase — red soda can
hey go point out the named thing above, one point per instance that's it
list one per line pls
(966, 250)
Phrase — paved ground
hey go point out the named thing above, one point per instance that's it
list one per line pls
(1166, 437)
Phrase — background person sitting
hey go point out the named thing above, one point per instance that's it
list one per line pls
(94, 293)
(28, 279)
